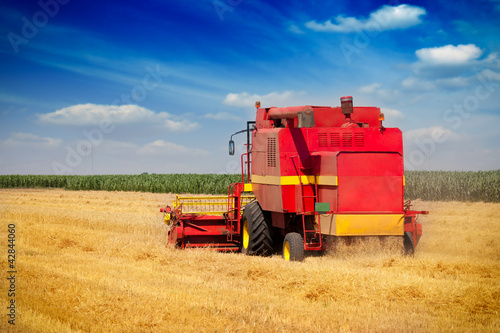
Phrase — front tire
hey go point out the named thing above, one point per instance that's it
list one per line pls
(255, 233)
(293, 247)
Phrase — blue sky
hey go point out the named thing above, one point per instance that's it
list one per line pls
(125, 87)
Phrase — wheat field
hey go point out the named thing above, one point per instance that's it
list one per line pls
(90, 261)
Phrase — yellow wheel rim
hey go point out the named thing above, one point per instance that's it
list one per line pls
(286, 251)
(246, 236)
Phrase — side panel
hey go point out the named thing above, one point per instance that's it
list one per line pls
(370, 182)
(266, 169)
(295, 163)
(362, 224)
(327, 179)
(278, 220)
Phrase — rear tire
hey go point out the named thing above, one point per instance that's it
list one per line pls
(255, 233)
(293, 247)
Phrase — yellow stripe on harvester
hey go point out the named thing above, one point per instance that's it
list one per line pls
(295, 180)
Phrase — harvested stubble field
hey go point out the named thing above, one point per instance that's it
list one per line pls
(96, 261)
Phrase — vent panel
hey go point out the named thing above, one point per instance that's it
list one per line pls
(359, 139)
(347, 139)
(322, 139)
(335, 139)
(271, 152)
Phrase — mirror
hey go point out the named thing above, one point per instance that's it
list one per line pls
(231, 147)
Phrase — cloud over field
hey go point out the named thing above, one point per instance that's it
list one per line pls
(244, 99)
(449, 55)
(93, 114)
(384, 18)
(20, 139)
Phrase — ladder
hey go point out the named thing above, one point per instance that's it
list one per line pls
(307, 171)
(233, 210)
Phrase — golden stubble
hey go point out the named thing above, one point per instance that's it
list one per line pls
(97, 262)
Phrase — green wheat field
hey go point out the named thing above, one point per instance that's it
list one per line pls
(426, 185)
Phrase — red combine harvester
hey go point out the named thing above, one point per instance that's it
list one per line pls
(310, 173)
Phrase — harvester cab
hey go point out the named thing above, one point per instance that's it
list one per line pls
(309, 174)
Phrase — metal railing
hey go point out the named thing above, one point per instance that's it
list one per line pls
(207, 205)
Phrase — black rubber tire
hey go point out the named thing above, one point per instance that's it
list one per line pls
(295, 250)
(260, 241)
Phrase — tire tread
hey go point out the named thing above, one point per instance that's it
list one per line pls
(261, 242)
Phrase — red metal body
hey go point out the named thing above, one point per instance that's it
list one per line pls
(198, 230)
(316, 171)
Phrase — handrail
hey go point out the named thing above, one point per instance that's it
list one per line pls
(243, 167)
(207, 205)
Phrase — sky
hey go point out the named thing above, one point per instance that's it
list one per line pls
(127, 87)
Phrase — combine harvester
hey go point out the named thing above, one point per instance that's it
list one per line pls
(310, 174)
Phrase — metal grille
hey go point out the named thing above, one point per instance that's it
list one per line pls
(356, 139)
(322, 139)
(271, 152)
(335, 139)
(359, 139)
(347, 139)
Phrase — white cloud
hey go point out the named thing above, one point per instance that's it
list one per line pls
(245, 99)
(93, 114)
(449, 55)
(20, 139)
(437, 134)
(170, 149)
(381, 94)
(384, 18)
(493, 76)
(455, 82)
(369, 89)
(413, 83)
(222, 116)
(418, 84)
(450, 67)
(392, 113)
(492, 61)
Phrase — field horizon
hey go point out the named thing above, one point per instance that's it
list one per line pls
(426, 185)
